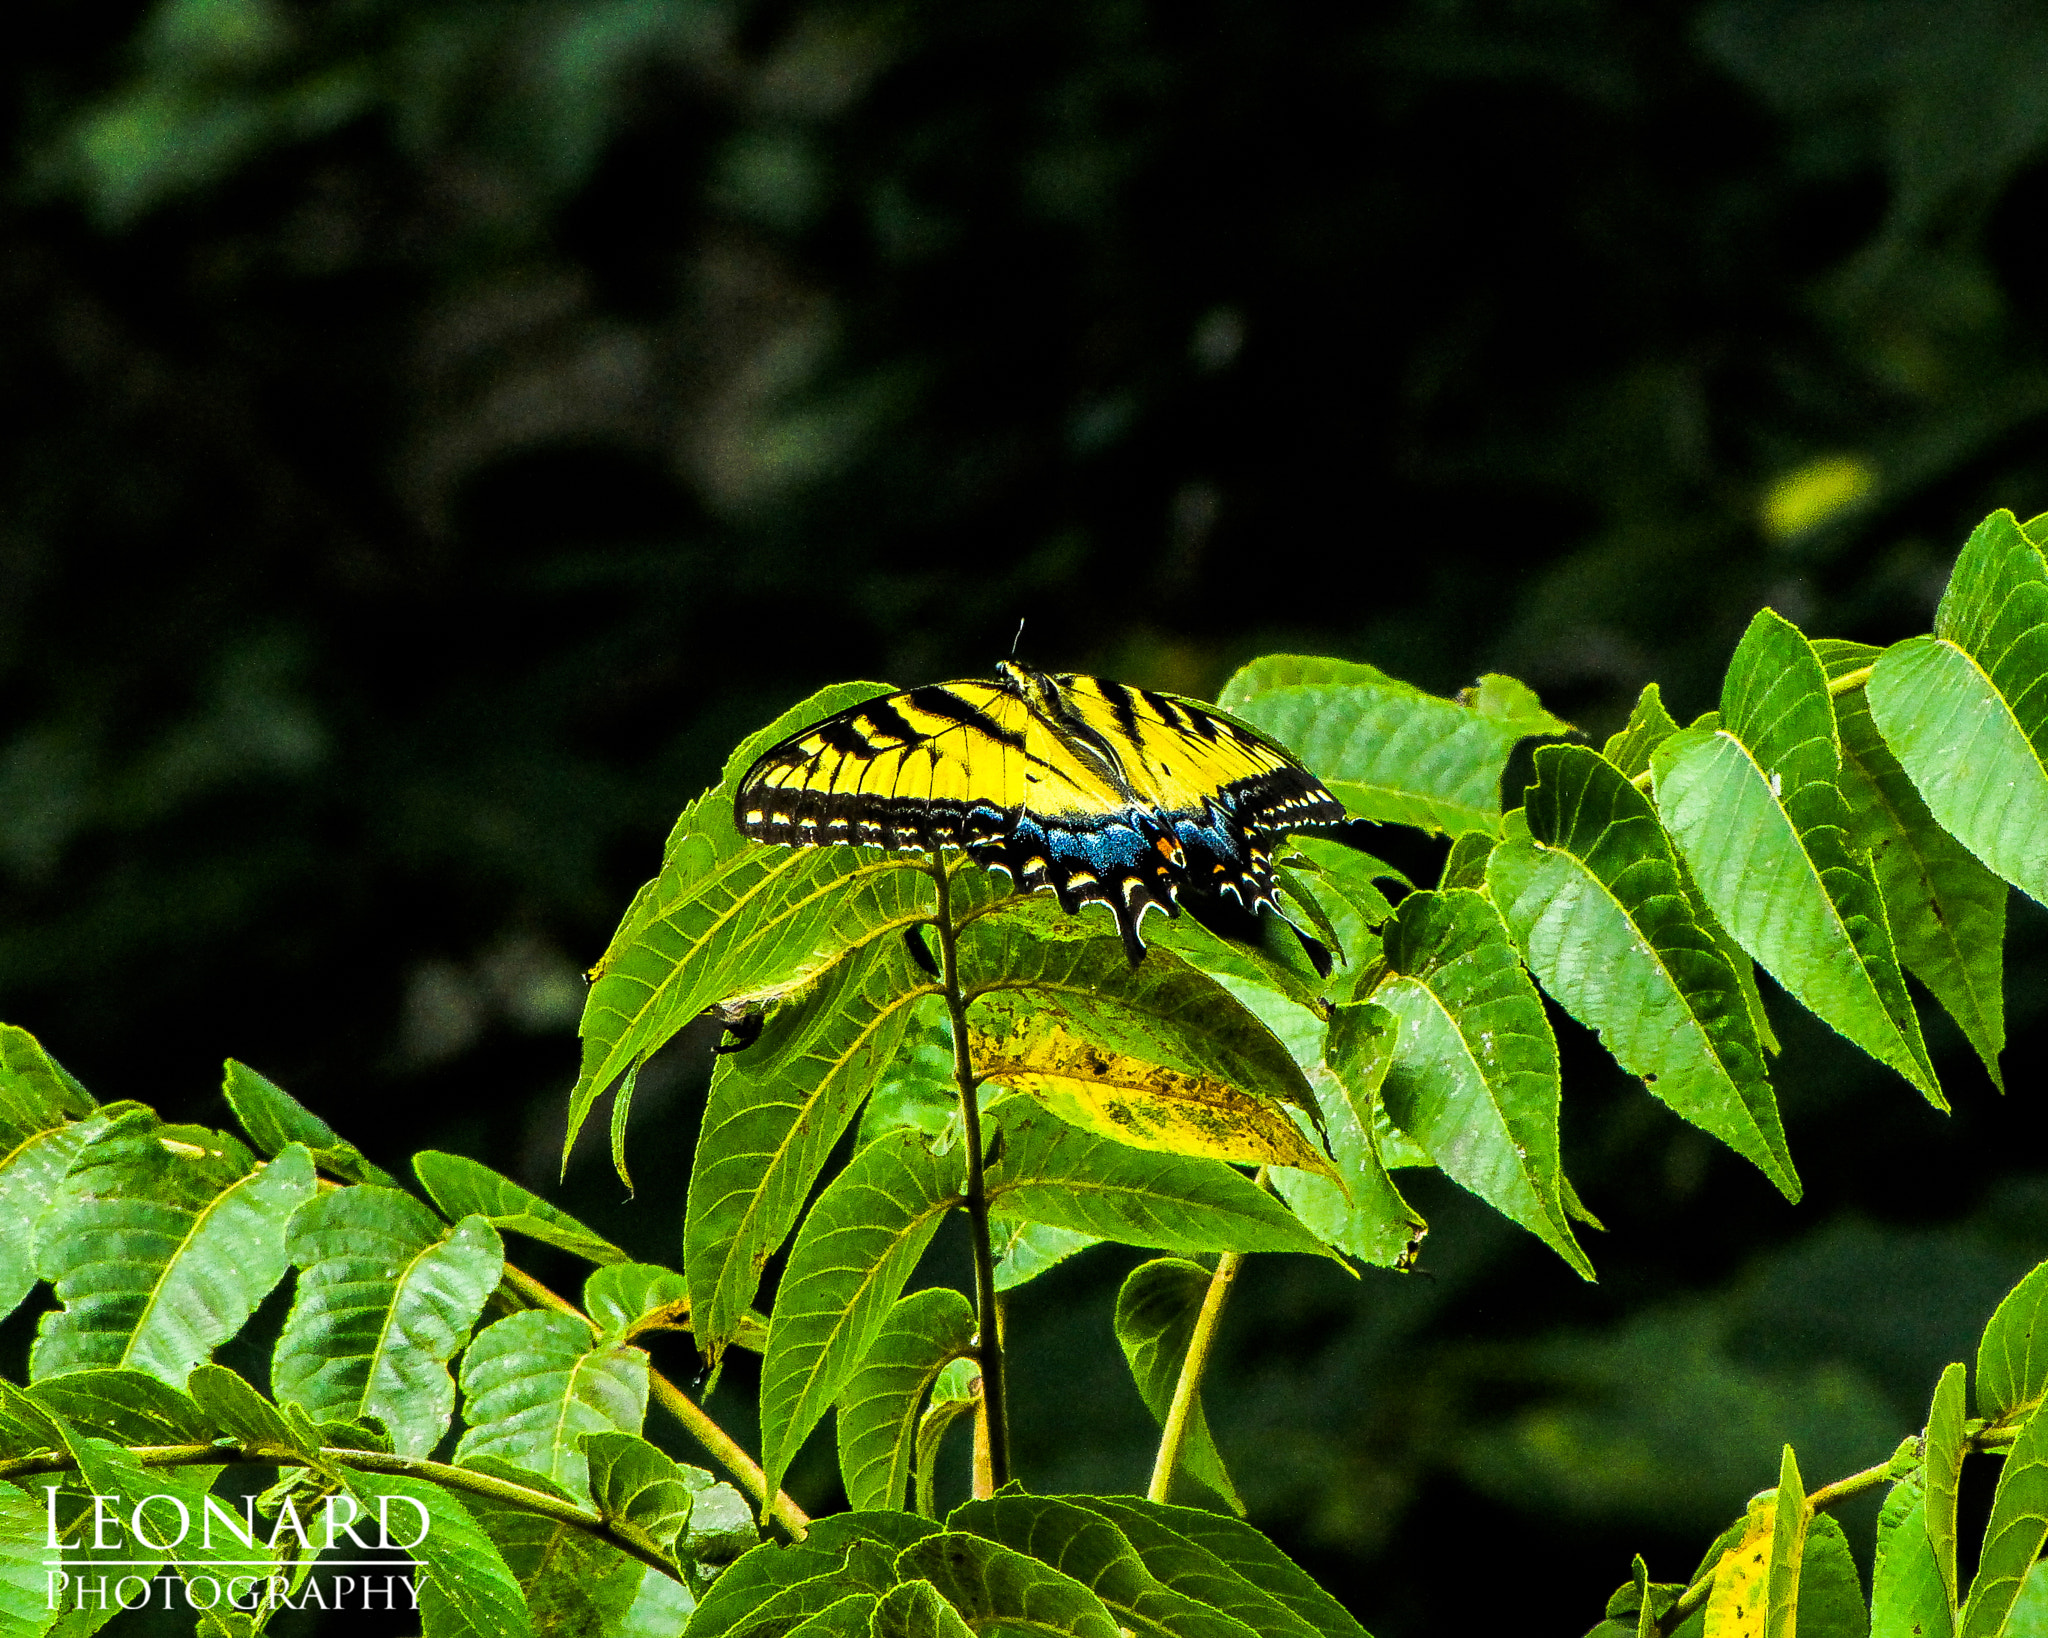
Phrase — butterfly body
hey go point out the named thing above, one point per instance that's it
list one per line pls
(1078, 786)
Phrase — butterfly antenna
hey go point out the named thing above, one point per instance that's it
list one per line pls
(1014, 641)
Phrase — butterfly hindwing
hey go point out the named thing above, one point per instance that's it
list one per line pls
(1086, 788)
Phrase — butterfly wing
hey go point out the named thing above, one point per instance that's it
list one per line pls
(1080, 786)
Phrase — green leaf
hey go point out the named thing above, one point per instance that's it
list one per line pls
(1251, 1555)
(730, 917)
(859, 1245)
(1788, 1551)
(1387, 750)
(1592, 895)
(1049, 1172)
(1830, 1590)
(1755, 807)
(161, 1244)
(467, 1580)
(1348, 1063)
(25, 1600)
(1085, 1546)
(1947, 912)
(1155, 1318)
(1942, 1472)
(995, 1586)
(387, 1294)
(772, 1567)
(638, 1490)
(1907, 1599)
(1474, 1079)
(624, 1299)
(1025, 1250)
(1159, 1056)
(462, 1187)
(1966, 711)
(534, 1383)
(849, 1618)
(575, 1585)
(1649, 725)
(916, 1087)
(2014, 1537)
(774, 1114)
(274, 1119)
(128, 1406)
(237, 1409)
(1465, 866)
(2012, 1358)
(1346, 882)
(45, 1118)
(914, 1609)
(878, 1408)
(955, 1393)
(1155, 1533)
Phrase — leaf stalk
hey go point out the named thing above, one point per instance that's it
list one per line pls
(1188, 1386)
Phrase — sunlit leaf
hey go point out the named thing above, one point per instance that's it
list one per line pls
(161, 1243)
(274, 1118)
(1649, 725)
(772, 1567)
(387, 1293)
(1245, 1552)
(1387, 750)
(774, 1114)
(1159, 1535)
(1739, 1606)
(1159, 1056)
(2014, 1537)
(624, 1299)
(126, 1405)
(462, 1187)
(2012, 1358)
(1046, 1171)
(1155, 1318)
(914, 1609)
(1966, 709)
(1474, 1079)
(1947, 912)
(25, 1603)
(1025, 1250)
(878, 1408)
(859, 1244)
(1907, 1599)
(1756, 809)
(1942, 1475)
(45, 1118)
(1591, 892)
(466, 1578)
(955, 1393)
(638, 1489)
(1365, 1216)
(1830, 1588)
(996, 1586)
(235, 1408)
(1087, 1547)
(730, 917)
(534, 1383)
(575, 1585)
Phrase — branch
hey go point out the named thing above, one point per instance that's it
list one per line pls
(727, 1451)
(503, 1491)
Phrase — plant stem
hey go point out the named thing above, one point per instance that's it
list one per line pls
(722, 1446)
(1849, 681)
(227, 1452)
(1187, 1388)
(988, 1325)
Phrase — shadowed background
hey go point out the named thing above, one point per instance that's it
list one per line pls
(434, 433)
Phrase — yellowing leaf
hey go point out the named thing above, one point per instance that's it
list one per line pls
(1736, 1606)
(1144, 1104)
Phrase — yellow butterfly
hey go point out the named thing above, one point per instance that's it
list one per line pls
(1079, 786)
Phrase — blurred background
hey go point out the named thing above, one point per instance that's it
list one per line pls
(436, 432)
